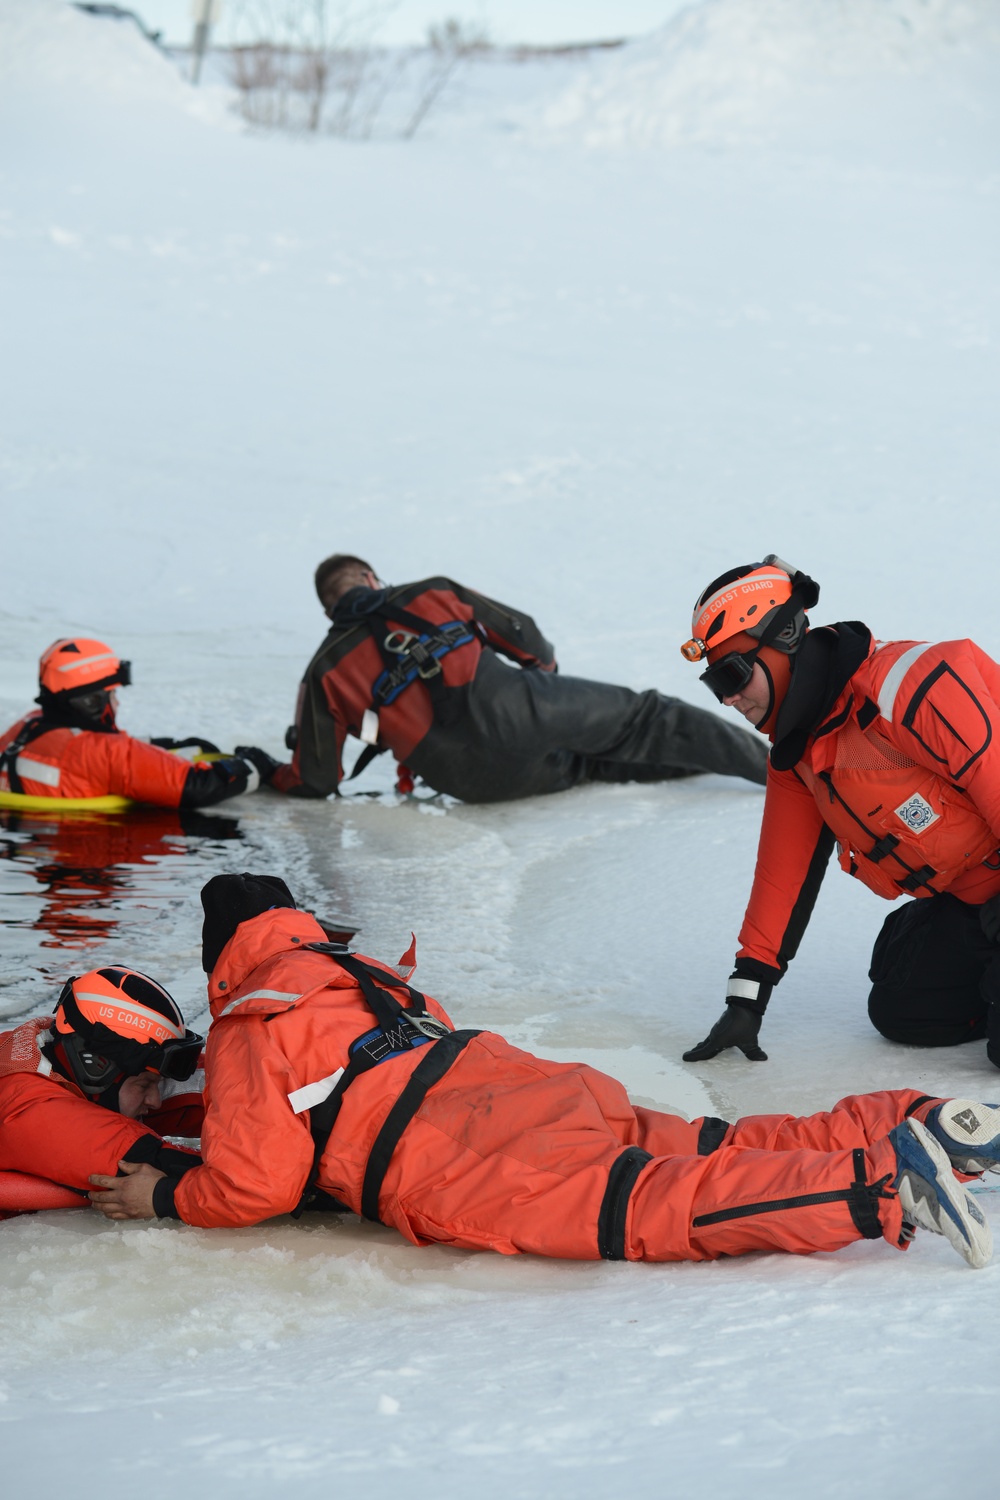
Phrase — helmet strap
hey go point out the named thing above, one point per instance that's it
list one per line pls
(777, 668)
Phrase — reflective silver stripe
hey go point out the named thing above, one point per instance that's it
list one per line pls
(743, 989)
(37, 770)
(290, 995)
(253, 777)
(157, 1021)
(42, 1040)
(894, 678)
(733, 586)
(87, 661)
(312, 1094)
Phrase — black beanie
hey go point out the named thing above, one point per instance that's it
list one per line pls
(231, 899)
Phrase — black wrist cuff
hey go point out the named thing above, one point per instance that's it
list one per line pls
(154, 1151)
(755, 1007)
(163, 1198)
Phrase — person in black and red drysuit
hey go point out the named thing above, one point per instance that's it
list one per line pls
(111, 1072)
(72, 749)
(416, 670)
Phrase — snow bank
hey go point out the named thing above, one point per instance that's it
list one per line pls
(59, 62)
(725, 71)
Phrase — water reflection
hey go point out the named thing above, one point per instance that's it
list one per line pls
(69, 877)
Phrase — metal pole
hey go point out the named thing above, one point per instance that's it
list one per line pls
(205, 12)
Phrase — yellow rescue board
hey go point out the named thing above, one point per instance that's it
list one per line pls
(21, 803)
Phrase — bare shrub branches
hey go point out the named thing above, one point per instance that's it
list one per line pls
(313, 65)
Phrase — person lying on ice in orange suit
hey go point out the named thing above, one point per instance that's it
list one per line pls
(332, 1082)
(71, 748)
(103, 1079)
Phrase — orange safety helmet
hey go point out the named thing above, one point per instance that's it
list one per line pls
(756, 613)
(114, 1022)
(76, 665)
(749, 601)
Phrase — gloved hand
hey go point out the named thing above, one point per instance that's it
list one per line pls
(265, 765)
(738, 1026)
(989, 919)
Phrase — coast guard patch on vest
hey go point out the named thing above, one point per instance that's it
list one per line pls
(917, 813)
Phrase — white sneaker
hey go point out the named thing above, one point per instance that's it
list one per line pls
(969, 1132)
(931, 1196)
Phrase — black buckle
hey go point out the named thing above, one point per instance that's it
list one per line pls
(882, 847)
(917, 878)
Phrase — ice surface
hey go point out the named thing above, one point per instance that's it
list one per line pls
(604, 329)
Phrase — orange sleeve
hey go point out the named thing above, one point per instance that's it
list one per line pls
(50, 1132)
(792, 855)
(257, 1153)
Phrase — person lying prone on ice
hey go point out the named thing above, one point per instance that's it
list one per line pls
(330, 1078)
(103, 1079)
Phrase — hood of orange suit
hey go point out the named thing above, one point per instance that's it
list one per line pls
(258, 942)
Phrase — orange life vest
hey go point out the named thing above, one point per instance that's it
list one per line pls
(899, 828)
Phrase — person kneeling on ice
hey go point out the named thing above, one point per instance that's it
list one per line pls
(102, 1079)
(71, 747)
(891, 751)
(332, 1082)
(417, 670)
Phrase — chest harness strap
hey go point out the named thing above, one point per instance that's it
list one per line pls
(412, 655)
(8, 758)
(400, 1029)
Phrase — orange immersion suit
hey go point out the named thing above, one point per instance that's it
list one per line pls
(79, 763)
(50, 1129)
(904, 772)
(469, 1141)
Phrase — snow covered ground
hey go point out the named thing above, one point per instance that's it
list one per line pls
(609, 326)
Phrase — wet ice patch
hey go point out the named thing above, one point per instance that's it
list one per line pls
(73, 1285)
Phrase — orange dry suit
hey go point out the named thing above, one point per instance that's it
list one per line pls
(891, 750)
(43, 758)
(457, 1137)
(50, 1129)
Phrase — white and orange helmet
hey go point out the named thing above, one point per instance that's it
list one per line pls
(113, 1022)
(743, 611)
(77, 664)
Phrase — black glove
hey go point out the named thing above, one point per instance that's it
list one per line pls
(265, 765)
(193, 741)
(738, 1026)
(989, 919)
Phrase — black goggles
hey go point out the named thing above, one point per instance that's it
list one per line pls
(179, 1057)
(730, 675)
